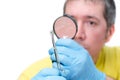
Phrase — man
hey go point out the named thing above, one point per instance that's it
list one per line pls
(85, 57)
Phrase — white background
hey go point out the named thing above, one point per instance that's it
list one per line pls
(24, 33)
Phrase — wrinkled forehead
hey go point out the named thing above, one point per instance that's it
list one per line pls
(89, 1)
(92, 2)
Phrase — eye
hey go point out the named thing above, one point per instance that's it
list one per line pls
(91, 23)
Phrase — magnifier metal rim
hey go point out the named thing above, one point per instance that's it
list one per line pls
(65, 15)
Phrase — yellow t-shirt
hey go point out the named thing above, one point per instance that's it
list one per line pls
(108, 62)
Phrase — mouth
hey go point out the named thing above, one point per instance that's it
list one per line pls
(85, 46)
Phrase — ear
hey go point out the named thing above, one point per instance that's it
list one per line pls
(110, 32)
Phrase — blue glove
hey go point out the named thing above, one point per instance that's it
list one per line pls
(76, 61)
(48, 74)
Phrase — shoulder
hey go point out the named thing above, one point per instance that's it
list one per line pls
(109, 60)
(112, 53)
(112, 49)
(113, 59)
(35, 68)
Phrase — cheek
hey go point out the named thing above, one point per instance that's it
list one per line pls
(97, 37)
(96, 41)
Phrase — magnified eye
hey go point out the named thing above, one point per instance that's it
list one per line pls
(92, 23)
(65, 27)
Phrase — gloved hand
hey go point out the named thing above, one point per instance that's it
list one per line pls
(48, 74)
(76, 61)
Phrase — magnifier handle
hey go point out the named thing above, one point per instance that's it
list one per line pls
(55, 50)
(56, 54)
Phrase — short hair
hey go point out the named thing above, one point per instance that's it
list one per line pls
(109, 10)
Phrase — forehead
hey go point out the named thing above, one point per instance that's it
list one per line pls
(85, 6)
(92, 2)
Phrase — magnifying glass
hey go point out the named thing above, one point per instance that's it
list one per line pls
(65, 26)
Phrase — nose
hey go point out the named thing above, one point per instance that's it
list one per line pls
(80, 32)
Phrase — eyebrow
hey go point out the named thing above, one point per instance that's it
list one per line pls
(87, 16)
(93, 17)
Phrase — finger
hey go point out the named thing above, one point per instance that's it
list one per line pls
(51, 51)
(68, 47)
(48, 72)
(63, 70)
(62, 59)
(62, 50)
(55, 78)
(68, 43)
(49, 78)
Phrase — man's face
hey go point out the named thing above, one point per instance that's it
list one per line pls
(92, 27)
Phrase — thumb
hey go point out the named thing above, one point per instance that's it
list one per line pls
(68, 43)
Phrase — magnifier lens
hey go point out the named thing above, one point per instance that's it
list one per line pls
(65, 27)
